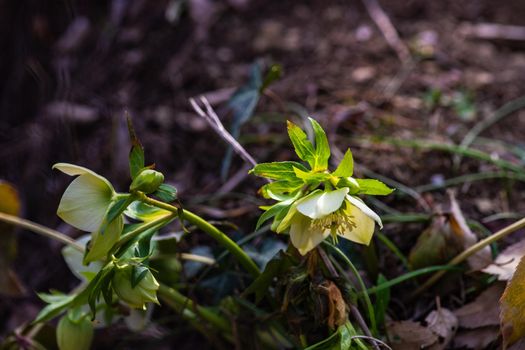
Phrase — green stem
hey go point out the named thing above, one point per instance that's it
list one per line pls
(151, 224)
(180, 303)
(44, 231)
(471, 251)
(368, 302)
(210, 229)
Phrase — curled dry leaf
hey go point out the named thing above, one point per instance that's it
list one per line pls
(483, 311)
(443, 323)
(409, 335)
(460, 228)
(507, 261)
(336, 304)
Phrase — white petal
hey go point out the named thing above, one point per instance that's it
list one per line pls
(102, 243)
(303, 237)
(72, 170)
(308, 204)
(85, 202)
(364, 226)
(361, 205)
(331, 201)
(74, 258)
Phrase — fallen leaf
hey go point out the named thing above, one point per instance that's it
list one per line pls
(513, 307)
(507, 261)
(444, 324)
(336, 304)
(483, 311)
(476, 339)
(459, 226)
(409, 335)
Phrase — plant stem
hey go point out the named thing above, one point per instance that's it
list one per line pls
(189, 309)
(133, 234)
(210, 229)
(179, 303)
(469, 252)
(40, 229)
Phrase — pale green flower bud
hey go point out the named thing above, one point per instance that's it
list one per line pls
(136, 297)
(74, 334)
(147, 181)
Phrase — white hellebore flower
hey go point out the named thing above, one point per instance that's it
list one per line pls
(321, 213)
(85, 204)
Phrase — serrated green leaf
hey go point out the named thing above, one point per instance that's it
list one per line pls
(322, 148)
(277, 170)
(346, 167)
(136, 154)
(310, 177)
(373, 187)
(166, 193)
(303, 147)
(281, 187)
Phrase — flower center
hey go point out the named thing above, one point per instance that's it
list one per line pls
(336, 222)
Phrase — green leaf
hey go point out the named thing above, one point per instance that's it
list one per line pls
(57, 304)
(144, 212)
(303, 147)
(277, 170)
(309, 177)
(115, 209)
(272, 75)
(136, 154)
(137, 274)
(281, 186)
(346, 167)
(166, 193)
(322, 148)
(373, 187)
(96, 286)
(382, 300)
(273, 211)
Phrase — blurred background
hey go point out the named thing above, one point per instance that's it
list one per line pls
(72, 69)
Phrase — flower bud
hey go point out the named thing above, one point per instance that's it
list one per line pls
(74, 335)
(147, 181)
(143, 292)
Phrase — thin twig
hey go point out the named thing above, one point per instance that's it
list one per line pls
(387, 28)
(213, 120)
(374, 340)
(37, 228)
(359, 318)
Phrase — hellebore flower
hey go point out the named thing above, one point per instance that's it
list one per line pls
(135, 296)
(322, 213)
(85, 204)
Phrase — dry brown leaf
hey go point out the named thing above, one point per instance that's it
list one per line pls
(459, 226)
(409, 335)
(336, 305)
(443, 323)
(513, 307)
(483, 311)
(476, 339)
(507, 261)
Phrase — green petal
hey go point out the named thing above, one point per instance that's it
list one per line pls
(364, 226)
(303, 237)
(86, 200)
(287, 220)
(102, 243)
(73, 170)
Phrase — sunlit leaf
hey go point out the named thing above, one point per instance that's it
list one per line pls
(373, 187)
(322, 148)
(346, 167)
